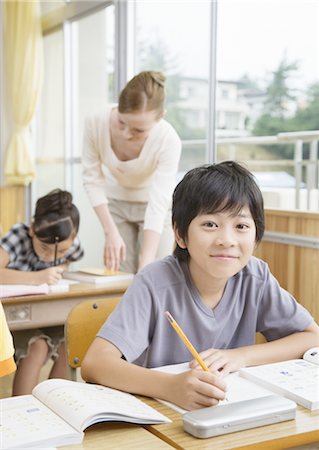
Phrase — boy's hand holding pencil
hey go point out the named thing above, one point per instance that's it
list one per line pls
(204, 388)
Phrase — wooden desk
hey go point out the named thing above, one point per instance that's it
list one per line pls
(34, 311)
(303, 430)
(118, 436)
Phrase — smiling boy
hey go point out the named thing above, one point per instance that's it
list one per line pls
(215, 289)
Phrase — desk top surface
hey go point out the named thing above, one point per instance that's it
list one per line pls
(118, 436)
(303, 430)
(75, 290)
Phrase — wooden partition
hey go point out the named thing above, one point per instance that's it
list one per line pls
(295, 266)
(12, 206)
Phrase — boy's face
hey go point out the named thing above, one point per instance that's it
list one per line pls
(220, 244)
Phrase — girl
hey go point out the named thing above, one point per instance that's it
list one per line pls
(38, 254)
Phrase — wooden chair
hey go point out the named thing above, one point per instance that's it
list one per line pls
(81, 327)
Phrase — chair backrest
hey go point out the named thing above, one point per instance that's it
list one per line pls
(81, 327)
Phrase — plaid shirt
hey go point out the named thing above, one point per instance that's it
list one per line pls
(18, 244)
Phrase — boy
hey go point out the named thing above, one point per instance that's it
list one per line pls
(218, 293)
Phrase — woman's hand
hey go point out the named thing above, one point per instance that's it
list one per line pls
(196, 389)
(114, 250)
(49, 276)
(223, 361)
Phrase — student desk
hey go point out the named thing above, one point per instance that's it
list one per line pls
(303, 430)
(118, 436)
(36, 311)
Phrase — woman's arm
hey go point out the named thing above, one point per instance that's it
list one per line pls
(160, 195)
(94, 144)
(149, 248)
(114, 248)
(191, 390)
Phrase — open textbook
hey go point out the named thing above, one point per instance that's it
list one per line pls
(58, 411)
(100, 276)
(296, 379)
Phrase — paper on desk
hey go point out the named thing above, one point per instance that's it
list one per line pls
(62, 285)
(236, 390)
(16, 290)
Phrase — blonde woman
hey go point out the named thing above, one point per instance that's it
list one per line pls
(130, 160)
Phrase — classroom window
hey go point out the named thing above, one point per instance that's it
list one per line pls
(271, 77)
(179, 48)
(50, 124)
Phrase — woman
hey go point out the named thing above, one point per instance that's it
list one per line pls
(130, 160)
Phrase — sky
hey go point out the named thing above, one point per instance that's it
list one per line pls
(252, 35)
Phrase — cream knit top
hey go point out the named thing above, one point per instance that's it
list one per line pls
(151, 177)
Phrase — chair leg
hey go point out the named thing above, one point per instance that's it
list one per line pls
(71, 373)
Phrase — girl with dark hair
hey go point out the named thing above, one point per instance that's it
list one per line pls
(38, 254)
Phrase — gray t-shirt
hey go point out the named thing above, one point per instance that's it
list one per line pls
(252, 301)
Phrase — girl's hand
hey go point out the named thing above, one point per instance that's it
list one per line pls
(196, 389)
(49, 276)
(223, 361)
(114, 251)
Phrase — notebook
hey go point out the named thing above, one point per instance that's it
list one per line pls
(238, 388)
(100, 276)
(297, 379)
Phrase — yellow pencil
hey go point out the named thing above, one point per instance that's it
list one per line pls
(186, 341)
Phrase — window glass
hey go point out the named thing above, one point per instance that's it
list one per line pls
(50, 117)
(71, 92)
(93, 41)
(93, 82)
(174, 37)
(90, 231)
(268, 83)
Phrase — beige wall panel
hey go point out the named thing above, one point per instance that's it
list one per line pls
(295, 267)
(12, 201)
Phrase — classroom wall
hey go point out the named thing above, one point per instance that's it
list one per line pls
(12, 206)
(295, 267)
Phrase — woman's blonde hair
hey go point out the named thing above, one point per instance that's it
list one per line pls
(144, 92)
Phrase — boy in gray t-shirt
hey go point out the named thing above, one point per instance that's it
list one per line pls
(219, 294)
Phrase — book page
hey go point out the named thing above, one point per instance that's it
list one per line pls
(82, 404)
(37, 424)
(296, 379)
(238, 389)
(312, 355)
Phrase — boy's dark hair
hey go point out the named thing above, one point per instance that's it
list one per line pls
(209, 189)
(56, 217)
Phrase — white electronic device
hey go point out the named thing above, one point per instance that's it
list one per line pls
(242, 415)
